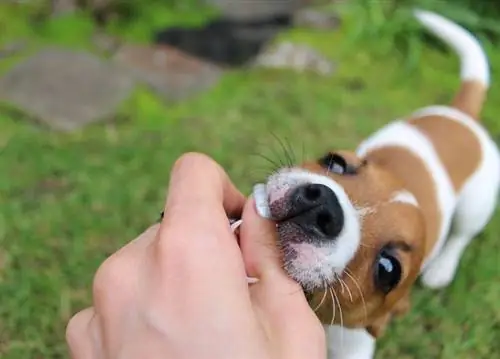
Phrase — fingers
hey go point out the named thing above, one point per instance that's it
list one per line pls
(201, 190)
(118, 279)
(195, 240)
(79, 335)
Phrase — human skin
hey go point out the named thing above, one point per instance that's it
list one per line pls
(179, 289)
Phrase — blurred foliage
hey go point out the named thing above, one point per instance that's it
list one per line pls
(76, 198)
(390, 23)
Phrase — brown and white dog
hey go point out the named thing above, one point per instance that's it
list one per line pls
(357, 228)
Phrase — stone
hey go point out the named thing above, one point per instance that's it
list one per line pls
(222, 41)
(106, 44)
(171, 73)
(99, 4)
(63, 7)
(316, 19)
(245, 10)
(66, 89)
(12, 49)
(287, 55)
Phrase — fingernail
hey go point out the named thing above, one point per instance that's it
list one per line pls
(261, 201)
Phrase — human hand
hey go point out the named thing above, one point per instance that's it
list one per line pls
(179, 289)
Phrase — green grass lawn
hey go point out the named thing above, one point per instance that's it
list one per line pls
(68, 201)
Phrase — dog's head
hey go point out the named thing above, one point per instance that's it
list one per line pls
(350, 235)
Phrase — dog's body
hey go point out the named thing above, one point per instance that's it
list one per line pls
(361, 226)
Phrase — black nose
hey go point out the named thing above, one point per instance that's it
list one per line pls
(316, 209)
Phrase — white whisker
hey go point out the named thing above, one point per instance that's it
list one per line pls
(337, 277)
(322, 301)
(346, 271)
(347, 287)
(341, 322)
(333, 306)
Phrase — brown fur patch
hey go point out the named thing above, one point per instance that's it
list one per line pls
(417, 179)
(470, 98)
(354, 301)
(456, 145)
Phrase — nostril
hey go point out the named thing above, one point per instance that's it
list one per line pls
(312, 193)
(324, 220)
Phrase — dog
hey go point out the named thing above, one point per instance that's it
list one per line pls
(358, 228)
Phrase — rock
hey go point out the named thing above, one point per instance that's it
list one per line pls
(66, 89)
(316, 19)
(106, 44)
(224, 42)
(254, 10)
(171, 73)
(12, 49)
(294, 56)
(99, 4)
(63, 7)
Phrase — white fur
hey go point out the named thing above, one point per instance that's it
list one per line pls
(409, 137)
(464, 214)
(332, 256)
(347, 343)
(474, 64)
(404, 196)
(476, 201)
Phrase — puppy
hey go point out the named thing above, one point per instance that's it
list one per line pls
(357, 228)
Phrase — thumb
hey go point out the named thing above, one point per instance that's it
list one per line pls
(258, 242)
(285, 313)
(259, 247)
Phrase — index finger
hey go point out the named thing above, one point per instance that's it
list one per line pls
(195, 239)
(201, 191)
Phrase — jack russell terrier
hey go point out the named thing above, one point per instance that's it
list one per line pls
(356, 228)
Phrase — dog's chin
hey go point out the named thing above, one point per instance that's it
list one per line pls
(304, 259)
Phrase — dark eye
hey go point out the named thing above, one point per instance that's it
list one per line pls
(387, 271)
(334, 163)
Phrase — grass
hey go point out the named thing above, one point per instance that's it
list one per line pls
(68, 201)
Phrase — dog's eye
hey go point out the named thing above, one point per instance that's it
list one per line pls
(335, 163)
(387, 271)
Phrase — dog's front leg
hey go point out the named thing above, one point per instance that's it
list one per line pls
(346, 343)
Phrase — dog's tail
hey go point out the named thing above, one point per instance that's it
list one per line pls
(475, 72)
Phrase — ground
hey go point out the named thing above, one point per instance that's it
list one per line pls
(69, 200)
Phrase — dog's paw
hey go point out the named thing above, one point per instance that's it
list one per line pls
(439, 274)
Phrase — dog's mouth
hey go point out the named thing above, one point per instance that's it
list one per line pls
(318, 229)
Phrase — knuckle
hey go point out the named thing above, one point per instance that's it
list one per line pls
(71, 329)
(190, 159)
(109, 277)
(76, 326)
